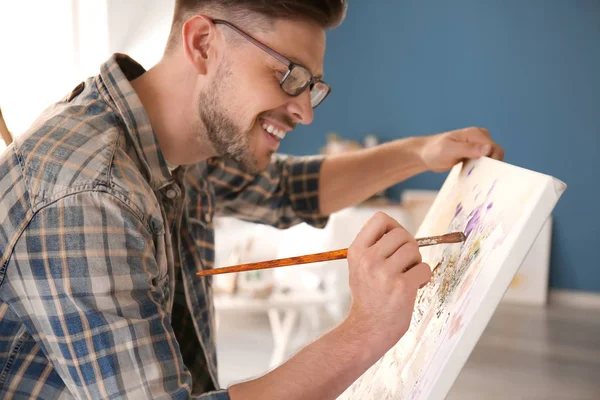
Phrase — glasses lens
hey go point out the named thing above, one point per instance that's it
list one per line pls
(296, 80)
(318, 92)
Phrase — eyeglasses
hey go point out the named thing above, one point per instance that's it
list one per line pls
(297, 78)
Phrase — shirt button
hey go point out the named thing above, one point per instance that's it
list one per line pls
(77, 91)
(171, 194)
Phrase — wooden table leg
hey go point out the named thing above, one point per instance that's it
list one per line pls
(281, 333)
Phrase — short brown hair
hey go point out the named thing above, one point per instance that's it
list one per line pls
(325, 13)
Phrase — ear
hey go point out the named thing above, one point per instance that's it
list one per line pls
(200, 43)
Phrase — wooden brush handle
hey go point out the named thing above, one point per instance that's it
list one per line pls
(454, 237)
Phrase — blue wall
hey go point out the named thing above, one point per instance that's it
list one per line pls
(528, 70)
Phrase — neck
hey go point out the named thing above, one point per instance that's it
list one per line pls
(167, 94)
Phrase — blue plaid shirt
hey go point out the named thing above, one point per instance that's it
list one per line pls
(100, 243)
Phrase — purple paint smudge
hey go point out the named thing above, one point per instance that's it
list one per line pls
(490, 205)
(493, 185)
(474, 221)
(459, 208)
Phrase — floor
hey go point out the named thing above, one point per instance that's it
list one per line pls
(525, 353)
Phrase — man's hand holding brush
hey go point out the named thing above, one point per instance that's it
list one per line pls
(385, 273)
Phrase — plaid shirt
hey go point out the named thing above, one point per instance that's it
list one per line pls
(100, 242)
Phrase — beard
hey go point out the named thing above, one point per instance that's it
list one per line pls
(226, 137)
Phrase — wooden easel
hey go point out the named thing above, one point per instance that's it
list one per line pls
(4, 132)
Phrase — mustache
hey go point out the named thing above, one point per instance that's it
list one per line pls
(283, 118)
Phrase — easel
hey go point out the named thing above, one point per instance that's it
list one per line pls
(4, 132)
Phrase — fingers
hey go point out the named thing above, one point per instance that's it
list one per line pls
(389, 245)
(473, 134)
(464, 150)
(405, 257)
(497, 153)
(494, 150)
(377, 226)
(394, 240)
(484, 131)
(419, 275)
(477, 142)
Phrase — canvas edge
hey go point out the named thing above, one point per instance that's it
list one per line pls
(475, 328)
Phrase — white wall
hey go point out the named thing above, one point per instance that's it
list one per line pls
(48, 47)
(140, 28)
(37, 59)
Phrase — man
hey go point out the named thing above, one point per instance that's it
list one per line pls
(108, 200)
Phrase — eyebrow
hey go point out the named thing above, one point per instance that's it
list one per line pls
(296, 61)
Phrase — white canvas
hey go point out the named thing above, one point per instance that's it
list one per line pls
(501, 208)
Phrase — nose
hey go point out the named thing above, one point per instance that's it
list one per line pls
(301, 108)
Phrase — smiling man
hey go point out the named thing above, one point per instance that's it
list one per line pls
(107, 204)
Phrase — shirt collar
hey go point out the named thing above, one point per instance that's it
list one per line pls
(116, 74)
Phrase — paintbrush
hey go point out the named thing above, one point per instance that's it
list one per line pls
(455, 237)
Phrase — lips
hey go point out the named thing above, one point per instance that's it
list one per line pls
(274, 128)
(273, 131)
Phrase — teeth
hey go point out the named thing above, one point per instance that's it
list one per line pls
(271, 129)
(279, 134)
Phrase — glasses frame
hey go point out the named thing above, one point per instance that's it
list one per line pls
(284, 60)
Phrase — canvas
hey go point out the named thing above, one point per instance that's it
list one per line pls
(530, 284)
(501, 208)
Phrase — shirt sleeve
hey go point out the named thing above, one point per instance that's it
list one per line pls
(95, 299)
(285, 194)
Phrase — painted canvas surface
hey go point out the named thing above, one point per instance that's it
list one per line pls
(501, 209)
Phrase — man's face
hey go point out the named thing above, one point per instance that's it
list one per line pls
(244, 101)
